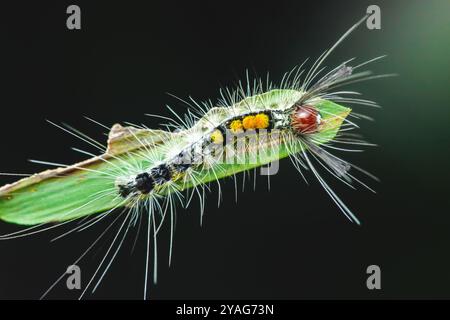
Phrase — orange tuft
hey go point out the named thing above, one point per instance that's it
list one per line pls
(249, 122)
(261, 121)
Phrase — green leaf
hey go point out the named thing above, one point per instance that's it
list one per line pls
(81, 190)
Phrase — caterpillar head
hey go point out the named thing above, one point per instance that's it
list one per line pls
(305, 119)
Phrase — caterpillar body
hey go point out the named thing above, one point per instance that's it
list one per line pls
(247, 118)
(146, 172)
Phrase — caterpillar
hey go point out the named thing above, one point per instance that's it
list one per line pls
(147, 173)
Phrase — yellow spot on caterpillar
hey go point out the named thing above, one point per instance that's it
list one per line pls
(236, 125)
(217, 137)
(261, 121)
(177, 176)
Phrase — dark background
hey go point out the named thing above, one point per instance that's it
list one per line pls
(289, 243)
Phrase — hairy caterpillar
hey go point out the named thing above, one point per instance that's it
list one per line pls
(149, 171)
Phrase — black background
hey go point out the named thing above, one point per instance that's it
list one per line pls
(287, 243)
